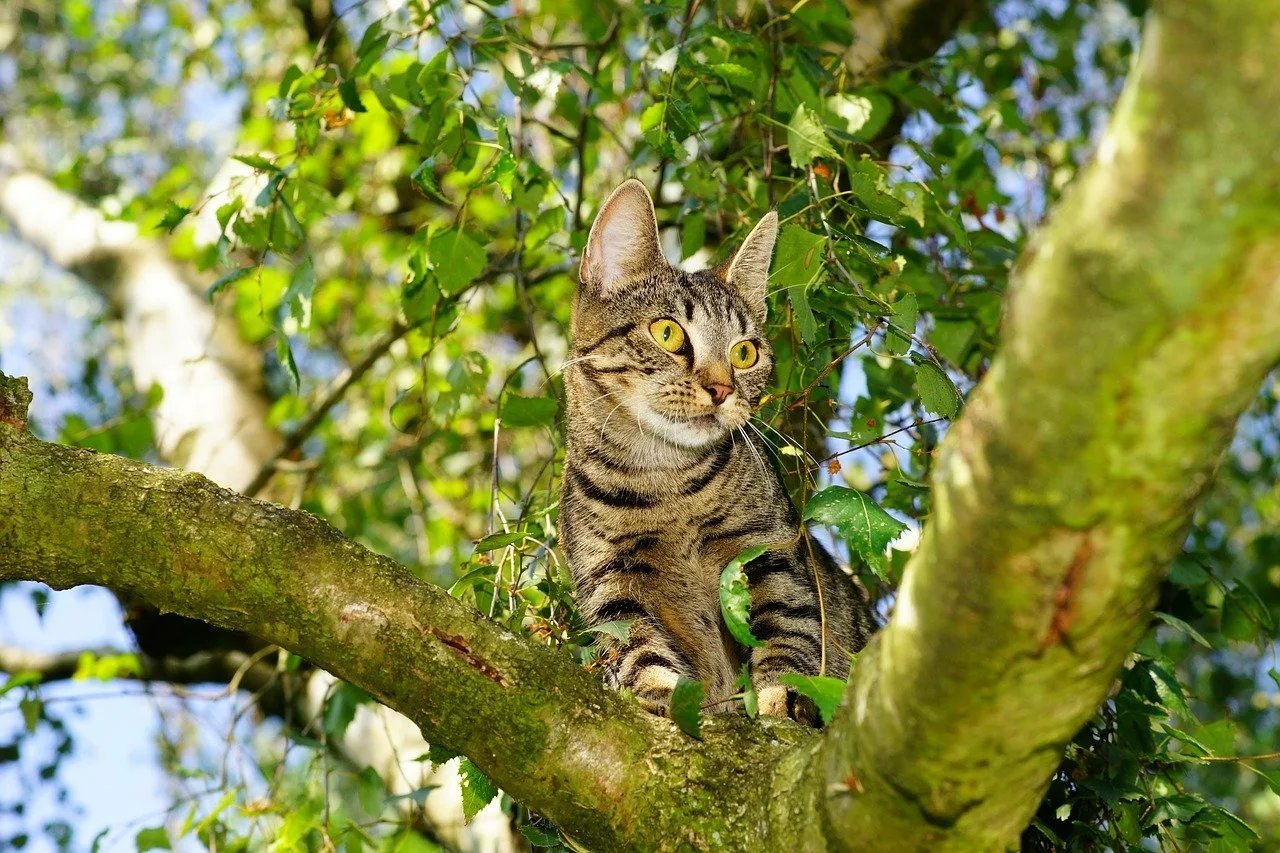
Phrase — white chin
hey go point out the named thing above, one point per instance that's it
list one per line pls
(683, 434)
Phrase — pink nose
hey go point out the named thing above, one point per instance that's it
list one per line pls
(719, 393)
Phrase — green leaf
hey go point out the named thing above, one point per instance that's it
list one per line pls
(298, 295)
(686, 706)
(494, 541)
(341, 707)
(520, 411)
(1175, 622)
(173, 216)
(902, 325)
(418, 795)
(800, 257)
(539, 837)
(1169, 689)
(735, 597)
(805, 321)
(230, 278)
(351, 95)
(20, 679)
(822, 689)
(860, 115)
(284, 353)
(256, 161)
(477, 790)
(371, 791)
(456, 258)
(865, 526)
(152, 838)
(937, 394)
(1219, 737)
(652, 116)
(31, 708)
(424, 177)
(619, 629)
(807, 138)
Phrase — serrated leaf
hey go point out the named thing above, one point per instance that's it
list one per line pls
(173, 216)
(456, 258)
(424, 177)
(902, 325)
(824, 690)
(735, 597)
(520, 411)
(800, 257)
(937, 393)
(807, 138)
(539, 837)
(686, 706)
(619, 629)
(864, 525)
(477, 790)
(227, 279)
(256, 161)
(501, 540)
(1170, 690)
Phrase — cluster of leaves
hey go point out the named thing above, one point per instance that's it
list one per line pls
(406, 193)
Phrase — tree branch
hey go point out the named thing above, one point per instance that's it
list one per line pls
(543, 729)
(1143, 321)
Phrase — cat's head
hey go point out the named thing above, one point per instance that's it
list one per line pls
(677, 355)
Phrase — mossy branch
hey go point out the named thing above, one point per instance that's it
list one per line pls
(1141, 323)
(544, 729)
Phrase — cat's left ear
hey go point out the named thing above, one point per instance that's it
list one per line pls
(749, 269)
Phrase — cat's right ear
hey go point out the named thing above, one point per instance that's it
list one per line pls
(623, 245)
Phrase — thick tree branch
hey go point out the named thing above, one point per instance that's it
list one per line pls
(544, 729)
(1142, 322)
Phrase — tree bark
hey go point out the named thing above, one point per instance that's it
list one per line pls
(1142, 321)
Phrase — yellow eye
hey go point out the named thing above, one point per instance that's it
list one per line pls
(668, 334)
(743, 355)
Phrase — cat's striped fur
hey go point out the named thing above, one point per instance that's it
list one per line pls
(664, 484)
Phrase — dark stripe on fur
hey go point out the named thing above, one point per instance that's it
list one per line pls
(620, 331)
(622, 498)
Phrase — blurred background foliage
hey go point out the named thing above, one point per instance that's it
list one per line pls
(386, 200)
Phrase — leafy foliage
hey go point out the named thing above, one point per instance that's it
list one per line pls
(397, 195)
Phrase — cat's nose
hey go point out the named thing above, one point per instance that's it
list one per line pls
(719, 393)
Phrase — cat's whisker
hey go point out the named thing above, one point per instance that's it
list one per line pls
(570, 363)
(605, 425)
(789, 441)
(754, 452)
(777, 452)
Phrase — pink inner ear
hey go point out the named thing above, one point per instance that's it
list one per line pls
(624, 240)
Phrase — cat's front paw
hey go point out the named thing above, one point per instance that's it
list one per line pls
(777, 700)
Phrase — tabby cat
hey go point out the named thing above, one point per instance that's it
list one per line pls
(664, 484)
